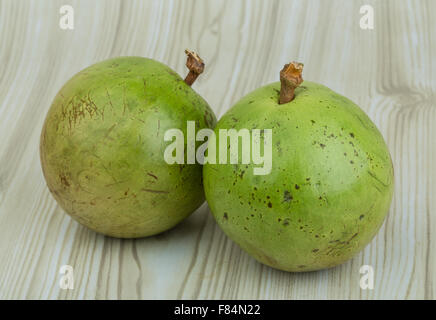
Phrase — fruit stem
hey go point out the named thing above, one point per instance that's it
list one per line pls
(195, 65)
(290, 78)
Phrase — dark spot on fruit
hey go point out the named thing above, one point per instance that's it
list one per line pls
(286, 222)
(352, 162)
(351, 135)
(301, 266)
(242, 174)
(307, 179)
(361, 216)
(322, 145)
(250, 102)
(287, 196)
(297, 186)
(225, 216)
(268, 197)
(269, 205)
(315, 250)
(313, 122)
(345, 154)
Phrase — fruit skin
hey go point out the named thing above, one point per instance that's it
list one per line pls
(102, 147)
(330, 185)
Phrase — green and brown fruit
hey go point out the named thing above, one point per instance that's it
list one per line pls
(102, 146)
(330, 185)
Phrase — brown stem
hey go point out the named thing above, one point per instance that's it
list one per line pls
(290, 78)
(195, 65)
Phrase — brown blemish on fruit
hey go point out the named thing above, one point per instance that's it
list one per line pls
(297, 186)
(64, 180)
(152, 175)
(154, 191)
(225, 216)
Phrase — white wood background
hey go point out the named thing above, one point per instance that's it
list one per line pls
(389, 71)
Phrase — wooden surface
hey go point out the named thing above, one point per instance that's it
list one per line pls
(389, 71)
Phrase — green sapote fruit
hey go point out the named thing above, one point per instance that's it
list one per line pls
(102, 146)
(330, 184)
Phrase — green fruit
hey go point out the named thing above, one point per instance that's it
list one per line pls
(329, 189)
(102, 147)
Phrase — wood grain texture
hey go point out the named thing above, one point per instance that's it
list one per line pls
(389, 71)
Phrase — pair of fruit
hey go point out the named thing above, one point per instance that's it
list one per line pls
(328, 191)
